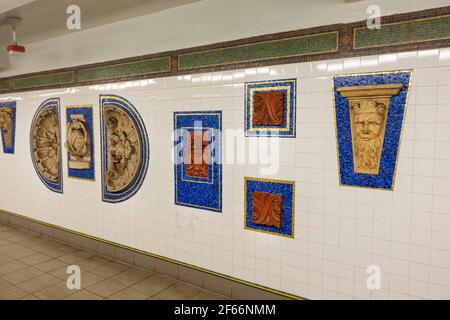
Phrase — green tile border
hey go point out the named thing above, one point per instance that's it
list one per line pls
(44, 80)
(128, 69)
(421, 30)
(415, 31)
(265, 50)
(5, 85)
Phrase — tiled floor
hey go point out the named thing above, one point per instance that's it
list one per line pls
(33, 267)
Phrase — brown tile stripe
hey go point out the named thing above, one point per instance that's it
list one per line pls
(419, 30)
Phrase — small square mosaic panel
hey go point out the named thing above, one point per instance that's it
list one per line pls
(270, 108)
(270, 206)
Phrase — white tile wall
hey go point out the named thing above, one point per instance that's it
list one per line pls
(340, 231)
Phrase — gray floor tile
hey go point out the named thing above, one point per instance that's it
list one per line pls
(38, 283)
(105, 288)
(128, 294)
(22, 275)
(58, 291)
(153, 285)
(178, 291)
(130, 277)
(110, 269)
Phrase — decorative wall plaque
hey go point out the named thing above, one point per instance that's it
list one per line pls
(369, 117)
(198, 165)
(8, 125)
(45, 143)
(125, 148)
(266, 208)
(270, 108)
(269, 206)
(79, 142)
(197, 145)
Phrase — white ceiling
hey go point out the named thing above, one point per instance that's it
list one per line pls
(44, 19)
(6, 5)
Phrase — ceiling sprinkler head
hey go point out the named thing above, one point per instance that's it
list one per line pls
(14, 48)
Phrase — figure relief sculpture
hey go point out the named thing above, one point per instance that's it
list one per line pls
(6, 124)
(197, 149)
(45, 144)
(268, 108)
(78, 143)
(123, 149)
(266, 209)
(369, 107)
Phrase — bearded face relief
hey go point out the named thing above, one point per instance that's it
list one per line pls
(124, 145)
(368, 126)
(368, 113)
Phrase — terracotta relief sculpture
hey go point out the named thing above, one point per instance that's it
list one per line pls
(266, 209)
(368, 114)
(45, 144)
(78, 143)
(268, 108)
(6, 123)
(124, 149)
(196, 166)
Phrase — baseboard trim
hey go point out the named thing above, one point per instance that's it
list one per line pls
(207, 279)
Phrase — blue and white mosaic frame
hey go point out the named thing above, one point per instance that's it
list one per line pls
(288, 128)
(196, 192)
(49, 104)
(12, 106)
(396, 113)
(287, 191)
(87, 112)
(126, 106)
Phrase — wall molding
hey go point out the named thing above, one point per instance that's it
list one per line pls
(427, 29)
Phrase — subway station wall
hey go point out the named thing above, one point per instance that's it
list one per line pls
(339, 230)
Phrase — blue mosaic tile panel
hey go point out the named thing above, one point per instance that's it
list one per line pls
(85, 113)
(125, 106)
(270, 108)
(198, 182)
(278, 199)
(8, 113)
(394, 123)
(52, 106)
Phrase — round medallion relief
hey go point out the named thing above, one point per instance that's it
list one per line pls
(45, 144)
(123, 149)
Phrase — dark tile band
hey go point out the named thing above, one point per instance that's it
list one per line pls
(419, 30)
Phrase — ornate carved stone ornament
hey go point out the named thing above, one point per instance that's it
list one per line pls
(124, 147)
(267, 208)
(80, 142)
(369, 112)
(45, 144)
(270, 108)
(196, 164)
(8, 125)
(270, 206)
